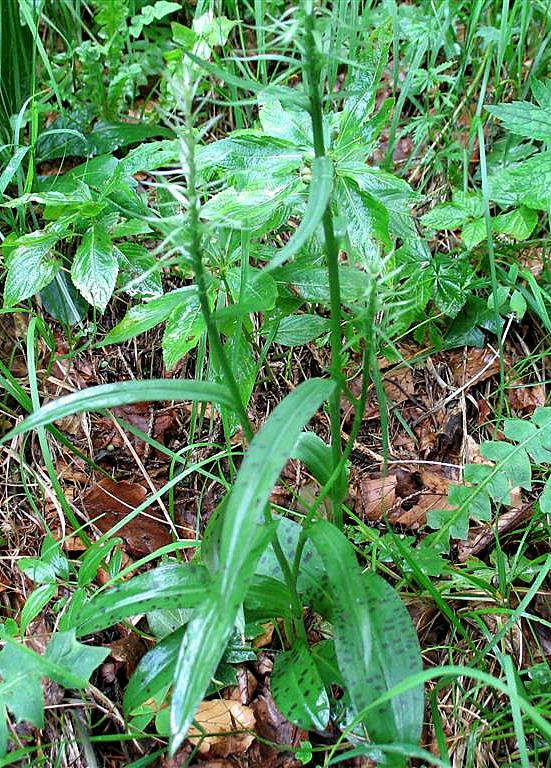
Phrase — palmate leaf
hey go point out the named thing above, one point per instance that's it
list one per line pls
(490, 485)
(241, 527)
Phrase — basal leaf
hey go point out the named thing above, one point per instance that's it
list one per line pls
(95, 267)
(122, 393)
(154, 671)
(298, 690)
(396, 655)
(239, 550)
(168, 586)
(350, 614)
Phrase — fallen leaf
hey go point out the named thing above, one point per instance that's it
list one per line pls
(375, 496)
(399, 384)
(273, 729)
(478, 364)
(128, 651)
(110, 501)
(230, 724)
(526, 399)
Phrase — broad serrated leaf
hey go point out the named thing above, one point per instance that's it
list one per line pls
(367, 223)
(519, 223)
(241, 527)
(294, 330)
(247, 157)
(31, 266)
(139, 271)
(526, 183)
(184, 328)
(298, 690)
(95, 267)
(122, 393)
(452, 280)
(524, 119)
(168, 586)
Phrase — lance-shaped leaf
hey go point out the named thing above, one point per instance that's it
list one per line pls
(239, 550)
(318, 200)
(123, 393)
(168, 586)
(298, 689)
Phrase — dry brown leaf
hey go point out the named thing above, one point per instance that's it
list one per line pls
(526, 399)
(266, 637)
(375, 496)
(128, 651)
(399, 384)
(230, 724)
(479, 363)
(109, 501)
(273, 729)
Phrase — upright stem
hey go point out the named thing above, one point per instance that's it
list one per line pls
(332, 253)
(195, 252)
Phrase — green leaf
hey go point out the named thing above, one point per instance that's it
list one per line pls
(139, 271)
(396, 655)
(527, 183)
(289, 125)
(68, 654)
(294, 330)
(142, 317)
(168, 586)
(184, 328)
(108, 136)
(524, 119)
(239, 550)
(12, 167)
(367, 222)
(298, 690)
(473, 233)
(95, 267)
(21, 672)
(350, 614)
(122, 393)
(246, 157)
(452, 280)
(519, 223)
(318, 199)
(154, 672)
(31, 266)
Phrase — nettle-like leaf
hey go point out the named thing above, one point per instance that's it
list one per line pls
(524, 119)
(31, 266)
(526, 183)
(95, 267)
(490, 485)
(65, 661)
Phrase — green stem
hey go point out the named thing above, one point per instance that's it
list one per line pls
(312, 60)
(215, 342)
(222, 360)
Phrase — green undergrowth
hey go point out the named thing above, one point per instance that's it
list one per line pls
(232, 176)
